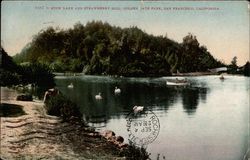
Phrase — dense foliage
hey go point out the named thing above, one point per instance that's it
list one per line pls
(246, 69)
(30, 73)
(61, 106)
(8, 70)
(99, 48)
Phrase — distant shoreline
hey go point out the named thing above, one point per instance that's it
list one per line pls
(173, 75)
(195, 74)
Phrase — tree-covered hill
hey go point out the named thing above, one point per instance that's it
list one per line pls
(99, 48)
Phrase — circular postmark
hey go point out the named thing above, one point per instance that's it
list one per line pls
(143, 127)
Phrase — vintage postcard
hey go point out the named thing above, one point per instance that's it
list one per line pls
(159, 80)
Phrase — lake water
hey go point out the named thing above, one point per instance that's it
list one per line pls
(207, 120)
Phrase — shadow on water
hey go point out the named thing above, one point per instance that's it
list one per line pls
(11, 110)
(190, 100)
(190, 97)
(150, 93)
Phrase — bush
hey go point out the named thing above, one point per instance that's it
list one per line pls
(246, 69)
(61, 106)
(8, 78)
(37, 74)
(135, 152)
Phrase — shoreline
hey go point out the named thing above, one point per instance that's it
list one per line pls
(120, 76)
(189, 74)
(38, 135)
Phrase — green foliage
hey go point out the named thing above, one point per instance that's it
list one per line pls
(37, 74)
(134, 152)
(246, 69)
(28, 73)
(61, 106)
(8, 78)
(6, 62)
(195, 57)
(234, 62)
(8, 70)
(233, 66)
(99, 48)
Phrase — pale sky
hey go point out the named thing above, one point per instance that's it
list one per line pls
(224, 28)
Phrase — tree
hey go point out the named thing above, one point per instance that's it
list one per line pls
(8, 70)
(99, 48)
(233, 66)
(234, 62)
(246, 69)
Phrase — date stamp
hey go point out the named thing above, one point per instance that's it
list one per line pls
(143, 127)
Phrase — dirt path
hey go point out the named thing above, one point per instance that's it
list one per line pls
(40, 136)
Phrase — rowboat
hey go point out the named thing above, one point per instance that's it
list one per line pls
(177, 82)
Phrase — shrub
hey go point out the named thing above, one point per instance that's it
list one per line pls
(135, 152)
(61, 106)
(37, 74)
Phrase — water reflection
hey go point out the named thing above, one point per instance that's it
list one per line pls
(190, 100)
(150, 93)
(182, 112)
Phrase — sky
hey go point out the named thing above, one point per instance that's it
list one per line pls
(222, 26)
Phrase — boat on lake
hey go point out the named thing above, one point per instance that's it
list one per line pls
(177, 82)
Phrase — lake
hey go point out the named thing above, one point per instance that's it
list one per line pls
(207, 120)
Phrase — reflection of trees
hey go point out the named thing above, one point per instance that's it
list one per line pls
(147, 95)
(203, 94)
(133, 92)
(191, 97)
(190, 100)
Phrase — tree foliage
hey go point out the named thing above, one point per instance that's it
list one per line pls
(99, 48)
(233, 66)
(246, 69)
(8, 70)
(28, 73)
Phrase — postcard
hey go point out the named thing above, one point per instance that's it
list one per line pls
(125, 80)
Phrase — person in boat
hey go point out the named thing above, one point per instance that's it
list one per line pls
(222, 77)
(181, 80)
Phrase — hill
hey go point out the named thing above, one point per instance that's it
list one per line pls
(99, 48)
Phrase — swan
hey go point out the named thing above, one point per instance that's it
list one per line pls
(98, 96)
(117, 90)
(138, 109)
(71, 85)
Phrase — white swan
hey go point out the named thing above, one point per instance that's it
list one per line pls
(98, 96)
(71, 85)
(117, 90)
(138, 109)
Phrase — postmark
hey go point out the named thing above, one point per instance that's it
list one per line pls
(143, 127)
